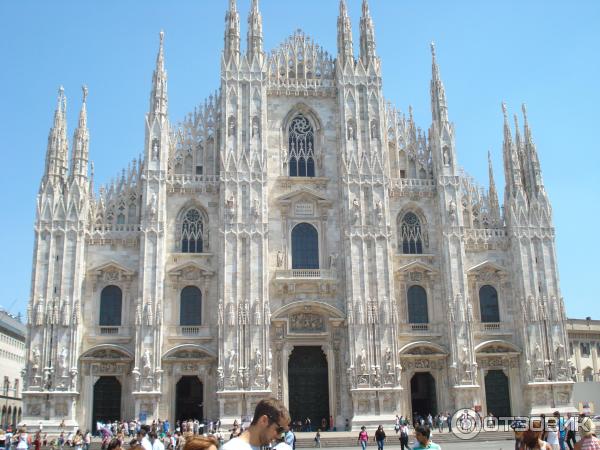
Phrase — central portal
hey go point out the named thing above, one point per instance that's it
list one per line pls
(189, 399)
(308, 383)
(423, 395)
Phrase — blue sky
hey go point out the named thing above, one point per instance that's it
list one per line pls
(541, 52)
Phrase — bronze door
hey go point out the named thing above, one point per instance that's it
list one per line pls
(107, 401)
(497, 395)
(308, 385)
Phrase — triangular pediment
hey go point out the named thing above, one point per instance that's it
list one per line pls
(303, 193)
(112, 267)
(417, 266)
(487, 265)
(190, 271)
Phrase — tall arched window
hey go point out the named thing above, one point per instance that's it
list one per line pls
(411, 235)
(111, 299)
(305, 247)
(190, 306)
(301, 149)
(192, 231)
(417, 305)
(488, 304)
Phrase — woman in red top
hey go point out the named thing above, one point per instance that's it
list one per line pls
(363, 438)
(37, 441)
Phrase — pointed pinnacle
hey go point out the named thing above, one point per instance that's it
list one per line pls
(232, 5)
(84, 89)
(365, 8)
(432, 46)
(254, 6)
(343, 8)
(524, 109)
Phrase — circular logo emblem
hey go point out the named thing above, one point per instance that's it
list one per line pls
(466, 423)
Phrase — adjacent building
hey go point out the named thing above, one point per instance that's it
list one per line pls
(12, 364)
(295, 235)
(584, 347)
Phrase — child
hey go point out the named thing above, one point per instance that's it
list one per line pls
(318, 438)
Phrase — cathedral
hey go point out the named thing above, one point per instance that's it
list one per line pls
(293, 236)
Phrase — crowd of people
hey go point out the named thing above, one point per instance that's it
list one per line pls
(272, 427)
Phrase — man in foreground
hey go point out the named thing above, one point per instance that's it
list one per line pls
(271, 419)
(423, 435)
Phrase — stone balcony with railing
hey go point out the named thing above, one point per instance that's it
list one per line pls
(192, 183)
(418, 187)
(492, 329)
(291, 281)
(486, 238)
(189, 332)
(109, 334)
(420, 329)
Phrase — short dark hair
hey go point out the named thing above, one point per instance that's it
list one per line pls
(272, 408)
(423, 430)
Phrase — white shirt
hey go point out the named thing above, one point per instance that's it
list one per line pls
(158, 445)
(238, 444)
(282, 446)
(146, 443)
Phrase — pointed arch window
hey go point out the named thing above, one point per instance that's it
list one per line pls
(192, 231)
(111, 299)
(411, 234)
(190, 306)
(417, 305)
(305, 247)
(301, 148)
(488, 304)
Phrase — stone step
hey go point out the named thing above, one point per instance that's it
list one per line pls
(349, 439)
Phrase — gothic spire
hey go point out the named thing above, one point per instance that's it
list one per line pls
(439, 107)
(367, 36)
(255, 33)
(493, 193)
(344, 35)
(512, 165)
(158, 97)
(81, 143)
(232, 32)
(532, 157)
(58, 147)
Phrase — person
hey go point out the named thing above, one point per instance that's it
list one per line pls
(404, 435)
(380, 437)
(518, 427)
(156, 443)
(87, 440)
(22, 439)
(561, 429)
(571, 427)
(281, 444)
(318, 438)
(423, 435)
(271, 419)
(397, 424)
(588, 439)
(552, 433)
(2, 439)
(532, 437)
(114, 444)
(201, 443)
(363, 437)
(37, 441)
(143, 438)
(290, 439)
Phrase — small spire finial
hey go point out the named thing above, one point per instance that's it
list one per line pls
(61, 90)
(524, 109)
(504, 110)
(432, 46)
(84, 89)
(161, 36)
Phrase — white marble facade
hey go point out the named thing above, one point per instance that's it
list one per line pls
(375, 175)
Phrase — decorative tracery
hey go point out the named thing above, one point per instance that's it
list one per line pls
(411, 236)
(192, 232)
(301, 150)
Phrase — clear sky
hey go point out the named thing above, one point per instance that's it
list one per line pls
(541, 52)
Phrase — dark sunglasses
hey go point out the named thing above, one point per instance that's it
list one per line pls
(279, 429)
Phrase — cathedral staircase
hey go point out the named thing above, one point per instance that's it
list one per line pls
(349, 438)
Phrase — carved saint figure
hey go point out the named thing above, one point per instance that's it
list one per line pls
(39, 312)
(62, 362)
(155, 148)
(258, 361)
(153, 205)
(350, 136)
(35, 361)
(255, 128)
(146, 362)
(446, 155)
(362, 361)
(231, 314)
(279, 259)
(332, 260)
(388, 360)
(255, 211)
(374, 130)
(379, 209)
(231, 360)
(220, 313)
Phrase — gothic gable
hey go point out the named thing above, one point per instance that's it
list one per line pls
(111, 271)
(191, 271)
